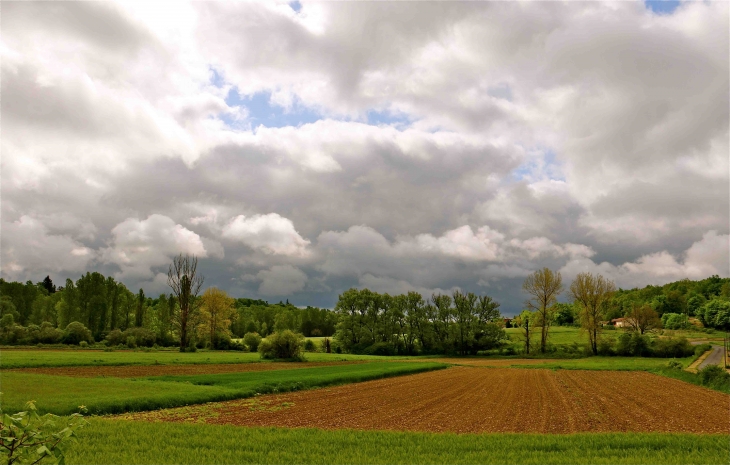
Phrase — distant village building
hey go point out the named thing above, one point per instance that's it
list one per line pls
(620, 322)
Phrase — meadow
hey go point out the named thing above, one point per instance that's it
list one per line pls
(107, 441)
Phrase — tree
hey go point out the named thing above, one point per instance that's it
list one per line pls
(643, 319)
(139, 310)
(524, 321)
(185, 282)
(48, 285)
(544, 286)
(592, 294)
(217, 311)
(465, 305)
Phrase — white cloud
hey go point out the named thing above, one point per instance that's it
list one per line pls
(271, 233)
(140, 245)
(281, 280)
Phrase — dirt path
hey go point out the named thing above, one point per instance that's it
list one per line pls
(471, 400)
(139, 371)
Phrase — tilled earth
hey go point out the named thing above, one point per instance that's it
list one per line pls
(139, 371)
(494, 362)
(480, 400)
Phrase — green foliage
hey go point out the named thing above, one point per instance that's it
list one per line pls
(127, 442)
(674, 321)
(406, 324)
(310, 346)
(281, 345)
(28, 438)
(714, 376)
(633, 344)
(252, 341)
(75, 333)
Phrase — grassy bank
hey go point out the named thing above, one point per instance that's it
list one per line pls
(123, 442)
(611, 363)
(62, 395)
(70, 357)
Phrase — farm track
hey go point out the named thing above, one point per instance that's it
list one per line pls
(140, 371)
(481, 400)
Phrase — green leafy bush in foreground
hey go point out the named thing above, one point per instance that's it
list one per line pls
(28, 438)
(282, 345)
(132, 442)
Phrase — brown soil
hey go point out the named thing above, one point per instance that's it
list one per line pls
(138, 371)
(472, 400)
(486, 362)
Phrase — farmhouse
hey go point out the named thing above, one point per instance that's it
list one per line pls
(620, 322)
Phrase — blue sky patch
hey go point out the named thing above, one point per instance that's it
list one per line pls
(534, 168)
(376, 118)
(262, 112)
(662, 7)
(296, 6)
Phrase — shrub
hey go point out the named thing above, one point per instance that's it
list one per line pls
(83, 344)
(380, 348)
(714, 376)
(48, 334)
(633, 344)
(115, 337)
(606, 347)
(674, 365)
(75, 333)
(252, 341)
(672, 347)
(284, 344)
(142, 336)
(701, 349)
(131, 342)
(309, 345)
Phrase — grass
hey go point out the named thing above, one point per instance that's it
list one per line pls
(62, 394)
(125, 442)
(566, 335)
(70, 357)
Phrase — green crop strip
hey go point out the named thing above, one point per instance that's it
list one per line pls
(127, 442)
(62, 395)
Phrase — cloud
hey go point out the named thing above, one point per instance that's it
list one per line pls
(271, 233)
(450, 145)
(29, 250)
(706, 257)
(281, 280)
(138, 246)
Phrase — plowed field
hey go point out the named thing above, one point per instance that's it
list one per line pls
(139, 371)
(497, 362)
(478, 400)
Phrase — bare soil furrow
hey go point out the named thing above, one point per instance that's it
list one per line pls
(472, 400)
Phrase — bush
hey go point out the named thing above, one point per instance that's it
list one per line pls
(75, 333)
(131, 342)
(252, 341)
(380, 348)
(633, 344)
(606, 347)
(672, 348)
(142, 336)
(714, 376)
(83, 344)
(284, 344)
(115, 338)
(48, 334)
(701, 349)
(674, 365)
(310, 346)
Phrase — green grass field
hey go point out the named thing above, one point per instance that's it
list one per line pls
(70, 357)
(611, 363)
(125, 442)
(62, 394)
(566, 335)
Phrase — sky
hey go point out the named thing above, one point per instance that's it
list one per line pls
(301, 149)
